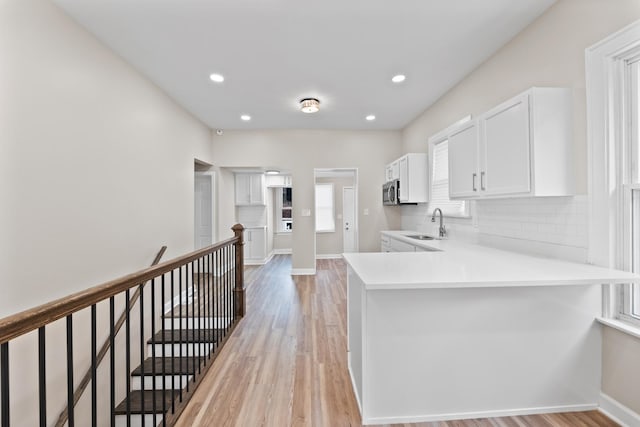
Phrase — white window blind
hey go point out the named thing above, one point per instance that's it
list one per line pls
(440, 183)
(325, 221)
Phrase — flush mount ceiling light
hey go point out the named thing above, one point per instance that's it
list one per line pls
(370, 117)
(245, 117)
(398, 78)
(309, 105)
(272, 172)
(215, 77)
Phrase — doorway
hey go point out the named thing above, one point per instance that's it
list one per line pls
(336, 211)
(203, 208)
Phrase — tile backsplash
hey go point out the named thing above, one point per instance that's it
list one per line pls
(251, 216)
(556, 220)
(552, 226)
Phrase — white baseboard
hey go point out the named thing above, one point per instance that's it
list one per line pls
(303, 271)
(328, 256)
(618, 412)
(483, 414)
(282, 251)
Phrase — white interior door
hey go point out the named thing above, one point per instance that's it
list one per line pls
(203, 210)
(349, 220)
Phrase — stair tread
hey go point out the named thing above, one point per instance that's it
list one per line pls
(169, 336)
(180, 366)
(136, 398)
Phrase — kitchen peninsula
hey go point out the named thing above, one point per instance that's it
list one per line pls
(469, 331)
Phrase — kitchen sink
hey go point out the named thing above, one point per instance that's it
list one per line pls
(421, 237)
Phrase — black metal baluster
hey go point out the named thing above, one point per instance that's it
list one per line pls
(4, 383)
(70, 405)
(153, 350)
(233, 284)
(209, 311)
(226, 294)
(219, 279)
(230, 309)
(223, 287)
(199, 287)
(142, 408)
(220, 292)
(112, 360)
(164, 360)
(42, 376)
(94, 368)
(186, 324)
(173, 353)
(193, 321)
(128, 356)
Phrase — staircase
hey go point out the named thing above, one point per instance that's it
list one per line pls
(176, 353)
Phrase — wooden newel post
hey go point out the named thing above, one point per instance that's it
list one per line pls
(238, 230)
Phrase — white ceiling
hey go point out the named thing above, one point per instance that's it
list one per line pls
(272, 53)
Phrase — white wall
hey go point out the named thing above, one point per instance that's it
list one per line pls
(300, 151)
(96, 173)
(550, 52)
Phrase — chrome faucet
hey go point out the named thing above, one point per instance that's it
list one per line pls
(442, 232)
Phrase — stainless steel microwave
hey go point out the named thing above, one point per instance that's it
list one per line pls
(390, 193)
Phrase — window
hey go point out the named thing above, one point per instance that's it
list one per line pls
(629, 304)
(325, 221)
(284, 220)
(440, 182)
(630, 301)
(613, 120)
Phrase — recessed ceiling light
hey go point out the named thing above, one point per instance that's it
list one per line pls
(309, 105)
(218, 78)
(398, 78)
(272, 172)
(245, 117)
(370, 117)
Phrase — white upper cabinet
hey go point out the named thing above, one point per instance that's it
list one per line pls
(414, 179)
(521, 148)
(392, 171)
(505, 166)
(278, 180)
(463, 172)
(250, 188)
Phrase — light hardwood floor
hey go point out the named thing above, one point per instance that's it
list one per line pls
(286, 363)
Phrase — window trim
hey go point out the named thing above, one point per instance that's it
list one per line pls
(610, 155)
(434, 140)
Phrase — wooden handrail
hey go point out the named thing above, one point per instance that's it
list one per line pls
(86, 379)
(29, 320)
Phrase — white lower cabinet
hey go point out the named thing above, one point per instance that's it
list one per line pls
(389, 244)
(400, 246)
(255, 245)
(385, 243)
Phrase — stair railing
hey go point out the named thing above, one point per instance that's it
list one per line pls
(106, 345)
(207, 287)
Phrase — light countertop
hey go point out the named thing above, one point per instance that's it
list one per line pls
(463, 265)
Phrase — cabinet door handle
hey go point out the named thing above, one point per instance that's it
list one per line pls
(474, 182)
(482, 187)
